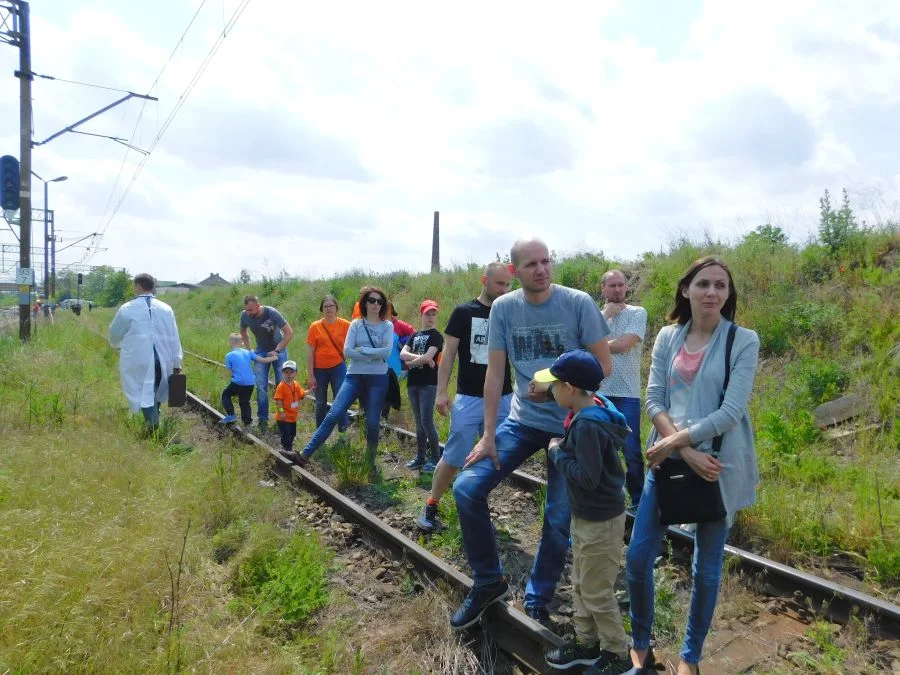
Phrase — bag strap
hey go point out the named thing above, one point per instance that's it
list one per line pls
(371, 341)
(729, 342)
(334, 344)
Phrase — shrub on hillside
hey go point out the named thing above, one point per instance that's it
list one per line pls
(819, 380)
(583, 271)
(806, 320)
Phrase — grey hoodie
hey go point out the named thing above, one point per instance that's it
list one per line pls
(589, 459)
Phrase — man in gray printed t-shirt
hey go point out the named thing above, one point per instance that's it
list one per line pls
(272, 333)
(532, 326)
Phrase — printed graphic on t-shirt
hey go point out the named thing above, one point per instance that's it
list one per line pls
(531, 343)
(478, 341)
(268, 326)
(419, 345)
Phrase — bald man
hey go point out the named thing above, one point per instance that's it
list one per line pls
(531, 326)
(627, 325)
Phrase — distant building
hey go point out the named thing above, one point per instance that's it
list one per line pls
(174, 288)
(213, 280)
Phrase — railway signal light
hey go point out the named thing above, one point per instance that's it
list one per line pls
(9, 183)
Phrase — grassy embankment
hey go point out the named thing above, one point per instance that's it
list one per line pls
(129, 553)
(827, 325)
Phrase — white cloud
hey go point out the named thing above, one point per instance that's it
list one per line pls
(322, 137)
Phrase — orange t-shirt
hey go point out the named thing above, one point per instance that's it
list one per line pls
(356, 313)
(324, 337)
(289, 395)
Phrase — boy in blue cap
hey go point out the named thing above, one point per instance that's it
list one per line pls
(588, 457)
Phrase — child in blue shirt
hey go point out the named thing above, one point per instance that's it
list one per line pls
(239, 364)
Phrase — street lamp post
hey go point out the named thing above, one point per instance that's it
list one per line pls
(47, 236)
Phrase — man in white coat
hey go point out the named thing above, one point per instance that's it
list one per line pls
(144, 330)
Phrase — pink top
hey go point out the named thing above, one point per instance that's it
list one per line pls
(684, 369)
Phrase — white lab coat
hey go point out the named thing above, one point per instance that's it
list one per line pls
(135, 330)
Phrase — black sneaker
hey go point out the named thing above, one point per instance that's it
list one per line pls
(428, 521)
(290, 455)
(613, 664)
(573, 654)
(541, 615)
(415, 463)
(478, 600)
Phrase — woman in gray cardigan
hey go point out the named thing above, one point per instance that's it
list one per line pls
(683, 401)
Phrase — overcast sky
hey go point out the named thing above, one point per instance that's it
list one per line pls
(323, 136)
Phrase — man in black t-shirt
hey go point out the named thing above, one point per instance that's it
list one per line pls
(466, 335)
(421, 353)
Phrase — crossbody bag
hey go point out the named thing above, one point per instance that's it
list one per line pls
(392, 397)
(682, 494)
(334, 344)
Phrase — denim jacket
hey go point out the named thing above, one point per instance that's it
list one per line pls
(731, 419)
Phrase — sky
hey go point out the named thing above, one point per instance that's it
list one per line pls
(323, 136)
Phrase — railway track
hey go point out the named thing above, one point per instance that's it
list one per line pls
(809, 596)
(837, 601)
(523, 639)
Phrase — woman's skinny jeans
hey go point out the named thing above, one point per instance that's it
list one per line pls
(373, 389)
(709, 551)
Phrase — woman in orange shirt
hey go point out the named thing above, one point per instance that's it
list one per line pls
(325, 357)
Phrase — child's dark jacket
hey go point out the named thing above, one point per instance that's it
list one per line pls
(589, 459)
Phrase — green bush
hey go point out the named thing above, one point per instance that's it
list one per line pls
(884, 558)
(789, 433)
(815, 264)
(821, 380)
(806, 320)
(288, 582)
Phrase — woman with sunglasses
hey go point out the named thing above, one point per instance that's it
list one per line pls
(368, 345)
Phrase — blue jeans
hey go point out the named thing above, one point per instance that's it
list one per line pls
(421, 400)
(634, 455)
(709, 552)
(262, 382)
(372, 388)
(466, 424)
(515, 443)
(335, 377)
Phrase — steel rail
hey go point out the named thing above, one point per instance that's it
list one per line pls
(522, 638)
(840, 599)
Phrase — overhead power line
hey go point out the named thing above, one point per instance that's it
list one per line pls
(83, 84)
(182, 99)
(140, 116)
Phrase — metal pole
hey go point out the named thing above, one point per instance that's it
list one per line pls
(25, 77)
(46, 246)
(53, 256)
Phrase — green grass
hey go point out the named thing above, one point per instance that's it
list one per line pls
(133, 552)
(827, 325)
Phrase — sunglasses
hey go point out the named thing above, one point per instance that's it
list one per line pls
(374, 301)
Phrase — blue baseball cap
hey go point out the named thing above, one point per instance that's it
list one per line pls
(577, 367)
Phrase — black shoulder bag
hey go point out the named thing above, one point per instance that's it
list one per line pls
(392, 398)
(683, 496)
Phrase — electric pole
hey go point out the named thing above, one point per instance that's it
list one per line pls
(436, 244)
(25, 78)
